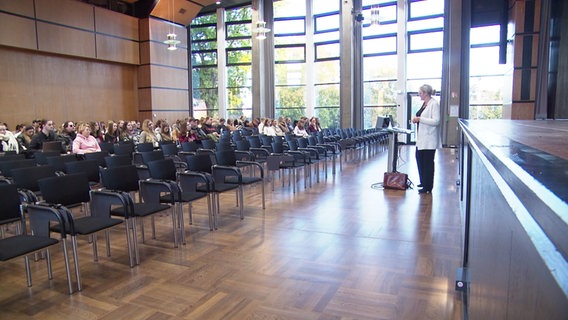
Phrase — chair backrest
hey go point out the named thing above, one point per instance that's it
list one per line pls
(208, 144)
(99, 157)
(12, 157)
(27, 178)
(189, 146)
(169, 149)
(107, 147)
(302, 142)
(226, 158)
(58, 162)
(6, 167)
(149, 156)
(41, 156)
(277, 147)
(122, 149)
(52, 146)
(145, 147)
(254, 141)
(9, 203)
(243, 145)
(65, 190)
(266, 140)
(293, 144)
(223, 146)
(199, 162)
(164, 169)
(88, 167)
(118, 161)
(312, 140)
(121, 178)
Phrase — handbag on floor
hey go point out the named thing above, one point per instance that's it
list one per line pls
(396, 180)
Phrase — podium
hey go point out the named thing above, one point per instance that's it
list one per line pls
(393, 142)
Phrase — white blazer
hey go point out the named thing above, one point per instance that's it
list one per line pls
(428, 133)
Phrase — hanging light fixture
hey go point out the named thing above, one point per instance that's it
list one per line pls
(261, 30)
(375, 21)
(218, 2)
(171, 37)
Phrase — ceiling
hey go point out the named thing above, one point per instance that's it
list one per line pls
(178, 11)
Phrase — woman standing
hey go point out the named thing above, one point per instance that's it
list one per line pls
(428, 138)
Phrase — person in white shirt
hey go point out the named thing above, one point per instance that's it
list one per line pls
(428, 137)
(299, 130)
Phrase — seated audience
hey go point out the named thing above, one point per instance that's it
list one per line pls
(46, 133)
(85, 142)
(9, 142)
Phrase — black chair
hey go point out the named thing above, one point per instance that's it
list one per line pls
(71, 189)
(149, 156)
(118, 160)
(99, 157)
(208, 144)
(144, 147)
(6, 167)
(122, 149)
(41, 156)
(12, 156)
(58, 162)
(107, 147)
(228, 158)
(125, 179)
(27, 178)
(170, 150)
(189, 146)
(203, 163)
(23, 244)
(282, 160)
(166, 170)
(89, 167)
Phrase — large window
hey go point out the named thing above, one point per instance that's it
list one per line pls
(380, 62)
(239, 58)
(290, 58)
(204, 65)
(486, 74)
(326, 22)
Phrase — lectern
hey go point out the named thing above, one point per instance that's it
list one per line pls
(393, 142)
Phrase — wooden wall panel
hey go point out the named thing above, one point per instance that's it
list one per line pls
(165, 99)
(116, 49)
(165, 77)
(159, 54)
(145, 99)
(116, 24)
(17, 31)
(63, 40)
(20, 7)
(75, 14)
(35, 85)
(144, 76)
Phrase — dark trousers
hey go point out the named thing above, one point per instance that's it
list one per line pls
(425, 162)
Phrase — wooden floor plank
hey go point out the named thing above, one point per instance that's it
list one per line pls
(342, 249)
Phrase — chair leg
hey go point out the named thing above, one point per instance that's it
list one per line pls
(181, 222)
(76, 261)
(241, 197)
(28, 271)
(67, 266)
(129, 242)
(95, 249)
(211, 222)
(263, 197)
(174, 225)
(135, 242)
(107, 239)
(48, 262)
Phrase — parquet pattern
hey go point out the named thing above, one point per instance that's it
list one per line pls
(338, 250)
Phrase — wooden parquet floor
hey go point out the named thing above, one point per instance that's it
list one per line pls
(338, 250)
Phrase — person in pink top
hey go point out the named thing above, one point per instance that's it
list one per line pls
(85, 142)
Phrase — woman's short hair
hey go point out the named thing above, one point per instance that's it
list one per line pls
(427, 89)
(81, 127)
